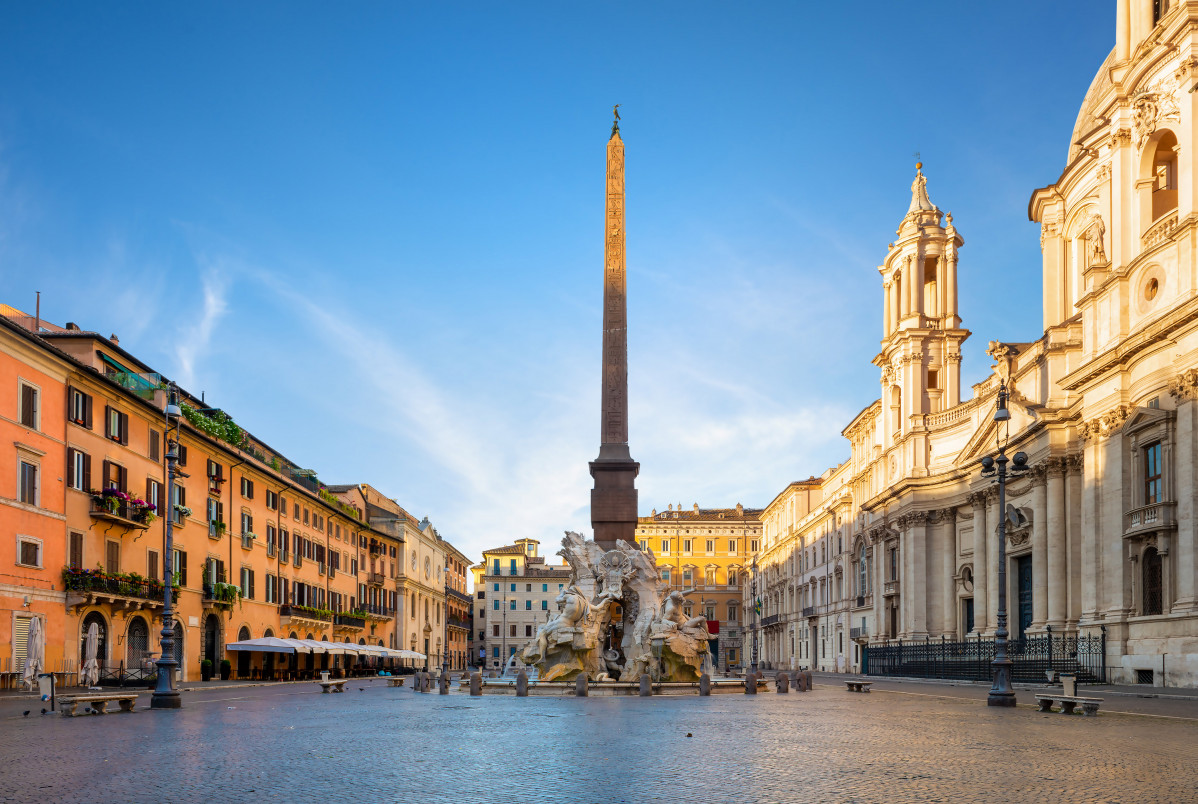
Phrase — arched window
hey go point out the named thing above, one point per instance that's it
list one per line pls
(1153, 591)
(1164, 176)
(138, 641)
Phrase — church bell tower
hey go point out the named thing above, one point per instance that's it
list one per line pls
(921, 329)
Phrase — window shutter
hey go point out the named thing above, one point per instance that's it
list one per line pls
(220, 571)
(182, 455)
(72, 481)
(77, 550)
(104, 474)
(182, 496)
(108, 421)
(87, 411)
(251, 494)
(154, 454)
(28, 397)
(87, 472)
(70, 401)
(182, 568)
(251, 584)
(123, 478)
(152, 562)
(124, 428)
(149, 490)
(158, 500)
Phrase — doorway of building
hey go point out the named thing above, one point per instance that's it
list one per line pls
(243, 656)
(212, 641)
(1023, 574)
(968, 615)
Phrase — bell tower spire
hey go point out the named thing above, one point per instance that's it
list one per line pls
(921, 327)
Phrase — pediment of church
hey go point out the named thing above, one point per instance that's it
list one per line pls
(985, 438)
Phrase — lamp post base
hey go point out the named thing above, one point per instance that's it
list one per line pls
(1001, 693)
(166, 700)
(165, 695)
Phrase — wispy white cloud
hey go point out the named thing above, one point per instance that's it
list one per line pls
(194, 342)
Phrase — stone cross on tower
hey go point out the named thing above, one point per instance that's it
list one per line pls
(614, 498)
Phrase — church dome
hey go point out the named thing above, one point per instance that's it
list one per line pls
(1086, 120)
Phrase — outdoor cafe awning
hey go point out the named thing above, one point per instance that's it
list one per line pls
(270, 645)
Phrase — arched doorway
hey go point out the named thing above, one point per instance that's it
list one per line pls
(293, 659)
(268, 659)
(101, 644)
(243, 656)
(178, 649)
(137, 642)
(1153, 581)
(212, 642)
(310, 660)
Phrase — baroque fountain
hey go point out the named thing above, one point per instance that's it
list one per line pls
(616, 622)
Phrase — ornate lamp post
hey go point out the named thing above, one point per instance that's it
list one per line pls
(1001, 693)
(165, 695)
(754, 602)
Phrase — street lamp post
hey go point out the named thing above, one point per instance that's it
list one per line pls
(165, 695)
(753, 601)
(1001, 693)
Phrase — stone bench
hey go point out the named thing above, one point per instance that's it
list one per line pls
(1068, 703)
(99, 702)
(395, 681)
(332, 685)
(858, 686)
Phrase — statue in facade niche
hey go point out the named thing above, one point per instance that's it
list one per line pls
(654, 634)
(1094, 235)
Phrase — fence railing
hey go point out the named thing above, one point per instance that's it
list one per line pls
(1031, 658)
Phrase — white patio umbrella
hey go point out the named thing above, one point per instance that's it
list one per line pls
(35, 653)
(90, 672)
(268, 645)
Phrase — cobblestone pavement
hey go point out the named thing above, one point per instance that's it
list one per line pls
(291, 743)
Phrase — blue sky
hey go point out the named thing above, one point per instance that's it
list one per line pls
(372, 233)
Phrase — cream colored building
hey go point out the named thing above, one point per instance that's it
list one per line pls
(515, 592)
(707, 550)
(417, 570)
(1103, 535)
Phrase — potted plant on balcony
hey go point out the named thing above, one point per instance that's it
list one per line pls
(226, 669)
(206, 670)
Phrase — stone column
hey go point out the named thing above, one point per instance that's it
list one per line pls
(1115, 574)
(1058, 582)
(1185, 467)
(980, 575)
(1091, 557)
(917, 291)
(950, 292)
(886, 307)
(877, 580)
(1039, 549)
(1122, 31)
(948, 571)
(992, 515)
(908, 279)
(1073, 530)
(915, 595)
(941, 289)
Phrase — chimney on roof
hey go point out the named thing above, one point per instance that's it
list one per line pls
(696, 508)
(654, 513)
(72, 327)
(115, 340)
(740, 510)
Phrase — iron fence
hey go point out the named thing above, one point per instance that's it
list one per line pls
(1032, 657)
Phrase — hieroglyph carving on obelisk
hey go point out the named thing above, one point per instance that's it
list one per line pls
(615, 312)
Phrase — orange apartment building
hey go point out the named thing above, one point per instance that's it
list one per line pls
(261, 548)
(459, 604)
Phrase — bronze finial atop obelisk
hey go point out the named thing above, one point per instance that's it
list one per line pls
(614, 498)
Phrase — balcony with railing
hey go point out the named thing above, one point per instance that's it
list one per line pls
(376, 611)
(93, 587)
(350, 622)
(772, 619)
(861, 632)
(457, 622)
(376, 578)
(1148, 518)
(220, 595)
(304, 615)
(122, 512)
(891, 589)
(809, 611)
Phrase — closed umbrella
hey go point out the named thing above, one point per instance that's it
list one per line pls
(35, 653)
(90, 673)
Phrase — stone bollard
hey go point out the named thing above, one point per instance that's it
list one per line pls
(426, 682)
(751, 684)
(800, 682)
(580, 686)
(705, 684)
(522, 684)
(810, 680)
(781, 683)
(794, 679)
(476, 684)
(646, 686)
(443, 684)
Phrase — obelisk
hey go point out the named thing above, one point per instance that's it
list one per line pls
(613, 499)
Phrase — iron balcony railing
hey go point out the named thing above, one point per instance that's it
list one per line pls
(116, 510)
(349, 620)
(81, 580)
(377, 610)
(293, 610)
(809, 611)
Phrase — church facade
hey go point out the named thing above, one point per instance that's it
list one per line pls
(1102, 532)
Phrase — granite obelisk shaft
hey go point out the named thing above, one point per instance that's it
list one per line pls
(614, 498)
